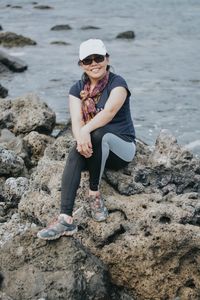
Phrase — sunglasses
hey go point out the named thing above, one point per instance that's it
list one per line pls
(97, 58)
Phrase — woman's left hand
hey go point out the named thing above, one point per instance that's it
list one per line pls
(84, 145)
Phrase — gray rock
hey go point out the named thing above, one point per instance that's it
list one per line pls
(16, 6)
(61, 27)
(42, 6)
(14, 188)
(62, 43)
(26, 114)
(59, 270)
(12, 63)
(11, 142)
(151, 233)
(90, 27)
(10, 163)
(3, 92)
(126, 35)
(35, 144)
(167, 168)
(3, 296)
(11, 39)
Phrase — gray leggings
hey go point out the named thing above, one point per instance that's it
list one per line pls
(109, 151)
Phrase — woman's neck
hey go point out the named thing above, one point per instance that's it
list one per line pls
(94, 81)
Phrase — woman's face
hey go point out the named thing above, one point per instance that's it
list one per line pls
(95, 70)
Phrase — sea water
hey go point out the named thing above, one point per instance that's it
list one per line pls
(161, 65)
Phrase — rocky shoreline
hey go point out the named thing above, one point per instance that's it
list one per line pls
(149, 248)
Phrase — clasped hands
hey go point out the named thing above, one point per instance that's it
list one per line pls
(84, 145)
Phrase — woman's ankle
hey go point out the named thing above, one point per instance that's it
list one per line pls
(67, 218)
(94, 193)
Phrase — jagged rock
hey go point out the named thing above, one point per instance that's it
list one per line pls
(42, 6)
(10, 163)
(149, 243)
(168, 168)
(14, 188)
(11, 142)
(12, 63)
(35, 144)
(3, 296)
(26, 114)
(60, 148)
(61, 27)
(59, 270)
(89, 27)
(3, 92)
(126, 35)
(11, 39)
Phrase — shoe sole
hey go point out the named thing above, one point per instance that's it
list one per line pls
(65, 233)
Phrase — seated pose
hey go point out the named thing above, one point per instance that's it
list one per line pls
(104, 134)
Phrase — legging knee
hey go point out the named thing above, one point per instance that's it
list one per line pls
(97, 135)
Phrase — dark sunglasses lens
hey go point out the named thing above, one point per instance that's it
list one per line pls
(99, 58)
(96, 58)
(87, 61)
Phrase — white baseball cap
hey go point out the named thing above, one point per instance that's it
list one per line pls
(91, 46)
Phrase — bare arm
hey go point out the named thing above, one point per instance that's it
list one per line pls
(76, 115)
(84, 145)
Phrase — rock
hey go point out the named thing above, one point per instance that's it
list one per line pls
(25, 114)
(126, 35)
(11, 142)
(12, 63)
(3, 92)
(3, 296)
(11, 39)
(42, 6)
(1, 28)
(149, 244)
(14, 188)
(60, 43)
(90, 27)
(168, 168)
(59, 149)
(45, 184)
(61, 27)
(16, 6)
(35, 144)
(10, 163)
(59, 270)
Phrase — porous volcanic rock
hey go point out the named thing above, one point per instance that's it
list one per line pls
(149, 246)
(25, 114)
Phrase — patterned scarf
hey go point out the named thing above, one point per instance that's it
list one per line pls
(89, 100)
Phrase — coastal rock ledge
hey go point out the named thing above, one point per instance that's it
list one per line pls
(149, 247)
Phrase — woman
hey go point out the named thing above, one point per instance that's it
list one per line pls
(104, 133)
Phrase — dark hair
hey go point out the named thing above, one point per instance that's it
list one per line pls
(85, 77)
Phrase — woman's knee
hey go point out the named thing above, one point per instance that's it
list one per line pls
(97, 135)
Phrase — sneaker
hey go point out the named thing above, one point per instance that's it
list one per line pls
(57, 229)
(98, 210)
